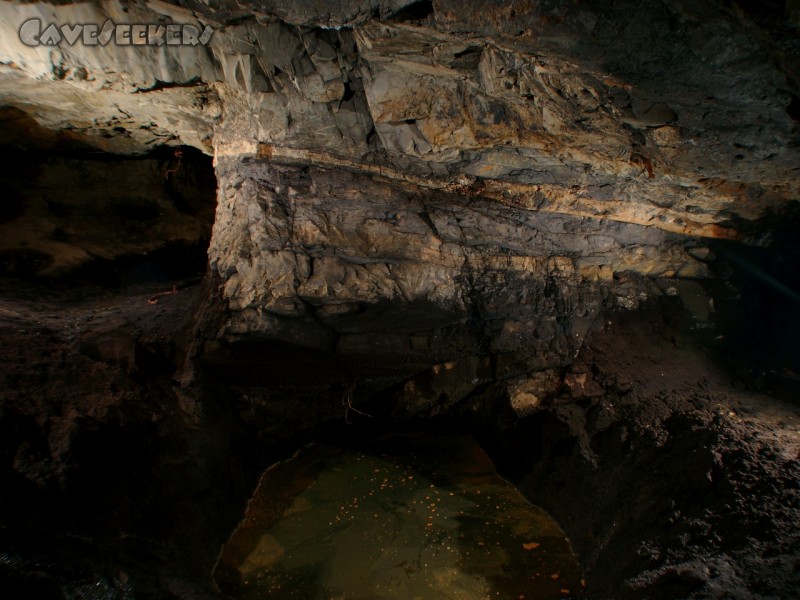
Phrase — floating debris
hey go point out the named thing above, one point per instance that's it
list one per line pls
(437, 521)
(531, 546)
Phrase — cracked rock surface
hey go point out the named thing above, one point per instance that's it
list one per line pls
(437, 211)
(431, 152)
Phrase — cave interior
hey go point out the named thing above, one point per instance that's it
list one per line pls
(565, 229)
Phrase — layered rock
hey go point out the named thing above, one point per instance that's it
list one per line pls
(426, 181)
(365, 266)
(423, 210)
(676, 116)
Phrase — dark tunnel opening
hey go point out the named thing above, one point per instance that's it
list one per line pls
(75, 216)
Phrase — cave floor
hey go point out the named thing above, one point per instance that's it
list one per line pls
(670, 476)
(673, 477)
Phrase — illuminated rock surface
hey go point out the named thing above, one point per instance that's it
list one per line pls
(568, 229)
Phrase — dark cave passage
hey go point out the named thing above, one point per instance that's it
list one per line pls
(73, 216)
(757, 309)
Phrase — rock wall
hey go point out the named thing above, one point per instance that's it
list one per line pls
(423, 209)
(659, 469)
(365, 266)
(500, 162)
(675, 115)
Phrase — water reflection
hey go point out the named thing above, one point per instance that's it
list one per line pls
(407, 517)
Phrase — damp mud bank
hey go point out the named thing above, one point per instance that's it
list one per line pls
(672, 479)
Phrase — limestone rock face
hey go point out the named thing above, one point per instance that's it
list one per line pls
(680, 116)
(424, 211)
(120, 98)
(360, 264)
(390, 170)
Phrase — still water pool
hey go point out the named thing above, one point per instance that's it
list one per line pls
(405, 517)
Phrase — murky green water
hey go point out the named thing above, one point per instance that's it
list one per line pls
(409, 517)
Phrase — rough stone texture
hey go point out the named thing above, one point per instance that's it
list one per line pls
(455, 149)
(677, 115)
(424, 210)
(670, 481)
(362, 265)
(122, 99)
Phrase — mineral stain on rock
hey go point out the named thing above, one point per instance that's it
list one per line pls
(406, 516)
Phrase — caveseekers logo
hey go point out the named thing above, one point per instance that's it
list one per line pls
(34, 33)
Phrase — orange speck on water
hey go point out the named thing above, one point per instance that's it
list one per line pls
(564, 591)
(555, 576)
(531, 545)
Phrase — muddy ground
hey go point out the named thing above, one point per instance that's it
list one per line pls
(127, 459)
(118, 473)
(671, 477)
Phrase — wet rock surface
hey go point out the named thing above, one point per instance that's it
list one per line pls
(127, 462)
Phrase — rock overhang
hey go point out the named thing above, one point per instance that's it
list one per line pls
(427, 152)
